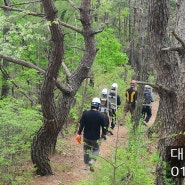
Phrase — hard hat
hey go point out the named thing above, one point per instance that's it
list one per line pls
(115, 86)
(104, 92)
(132, 83)
(95, 102)
(148, 87)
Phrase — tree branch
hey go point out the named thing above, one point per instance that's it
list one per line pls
(180, 50)
(21, 10)
(98, 31)
(68, 73)
(76, 47)
(22, 63)
(71, 27)
(32, 66)
(179, 39)
(26, 3)
(17, 86)
(73, 5)
(172, 49)
(156, 86)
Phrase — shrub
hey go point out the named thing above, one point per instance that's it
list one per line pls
(17, 127)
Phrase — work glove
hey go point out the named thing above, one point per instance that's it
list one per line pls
(104, 136)
(78, 139)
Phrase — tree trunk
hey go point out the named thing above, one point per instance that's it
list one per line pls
(140, 52)
(45, 140)
(55, 114)
(5, 86)
(169, 63)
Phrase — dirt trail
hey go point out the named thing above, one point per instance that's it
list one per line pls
(68, 167)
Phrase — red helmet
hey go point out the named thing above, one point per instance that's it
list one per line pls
(132, 83)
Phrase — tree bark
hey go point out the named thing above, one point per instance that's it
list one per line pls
(55, 113)
(139, 52)
(45, 140)
(170, 74)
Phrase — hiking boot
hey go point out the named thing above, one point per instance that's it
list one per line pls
(86, 167)
(91, 163)
(91, 168)
(110, 132)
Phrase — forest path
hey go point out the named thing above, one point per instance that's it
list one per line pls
(68, 166)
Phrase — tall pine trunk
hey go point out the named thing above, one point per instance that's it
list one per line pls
(169, 64)
(55, 113)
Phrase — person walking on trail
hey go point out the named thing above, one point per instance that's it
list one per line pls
(147, 107)
(115, 102)
(105, 108)
(131, 98)
(91, 123)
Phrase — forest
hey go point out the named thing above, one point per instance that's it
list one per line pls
(57, 55)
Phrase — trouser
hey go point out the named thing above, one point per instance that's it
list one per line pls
(113, 121)
(106, 117)
(146, 111)
(91, 149)
(128, 107)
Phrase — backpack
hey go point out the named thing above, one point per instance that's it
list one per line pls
(113, 99)
(103, 106)
(147, 98)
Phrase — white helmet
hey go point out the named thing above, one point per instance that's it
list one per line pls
(115, 86)
(148, 87)
(104, 91)
(95, 102)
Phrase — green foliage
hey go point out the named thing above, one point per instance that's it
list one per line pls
(18, 123)
(73, 55)
(165, 166)
(138, 161)
(28, 81)
(74, 43)
(111, 8)
(119, 10)
(82, 100)
(109, 55)
(24, 39)
(101, 8)
(112, 14)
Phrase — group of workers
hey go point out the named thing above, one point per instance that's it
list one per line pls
(131, 99)
(97, 122)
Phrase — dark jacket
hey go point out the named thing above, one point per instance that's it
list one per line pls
(118, 100)
(91, 123)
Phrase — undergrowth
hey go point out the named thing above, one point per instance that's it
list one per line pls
(18, 124)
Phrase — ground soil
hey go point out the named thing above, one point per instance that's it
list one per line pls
(67, 164)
